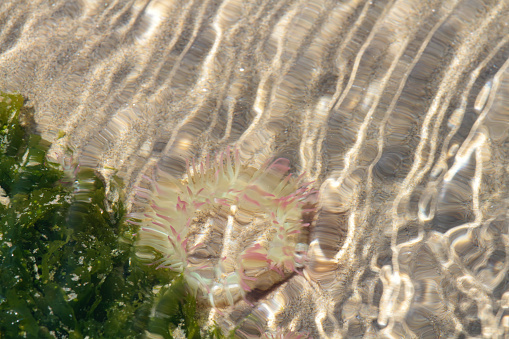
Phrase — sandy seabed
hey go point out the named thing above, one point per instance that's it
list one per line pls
(397, 110)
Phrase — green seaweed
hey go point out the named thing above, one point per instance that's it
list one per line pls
(67, 267)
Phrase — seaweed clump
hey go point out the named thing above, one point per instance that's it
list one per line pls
(67, 268)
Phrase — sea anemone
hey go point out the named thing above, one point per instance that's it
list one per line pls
(227, 227)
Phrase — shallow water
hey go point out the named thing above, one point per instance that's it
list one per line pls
(398, 111)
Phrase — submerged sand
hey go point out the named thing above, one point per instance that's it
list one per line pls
(398, 111)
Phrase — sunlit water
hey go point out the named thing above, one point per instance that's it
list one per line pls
(398, 110)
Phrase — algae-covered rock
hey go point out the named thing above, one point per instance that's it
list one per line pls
(65, 253)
